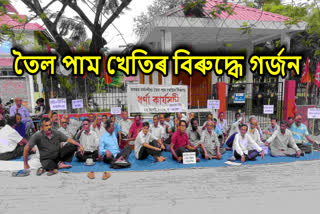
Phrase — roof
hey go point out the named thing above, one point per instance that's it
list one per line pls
(6, 62)
(6, 19)
(241, 13)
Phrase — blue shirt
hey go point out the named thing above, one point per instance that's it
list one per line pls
(218, 131)
(22, 110)
(117, 129)
(298, 133)
(21, 129)
(109, 142)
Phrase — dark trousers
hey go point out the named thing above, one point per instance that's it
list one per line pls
(17, 152)
(231, 139)
(305, 148)
(65, 155)
(167, 143)
(252, 154)
(179, 152)
(124, 153)
(87, 155)
(145, 152)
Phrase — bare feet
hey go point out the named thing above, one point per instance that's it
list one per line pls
(161, 159)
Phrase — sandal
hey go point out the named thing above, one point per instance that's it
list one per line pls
(62, 165)
(52, 172)
(91, 175)
(40, 171)
(106, 175)
(21, 173)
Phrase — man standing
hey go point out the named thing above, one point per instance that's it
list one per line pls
(180, 143)
(19, 108)
(211, 145)
(299, 131)
(282, 143)
(90, 142)
(52, 156)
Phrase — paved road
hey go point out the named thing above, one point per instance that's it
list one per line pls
(287, 188)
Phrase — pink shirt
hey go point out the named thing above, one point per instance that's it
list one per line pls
(134, 129)
(178, 140)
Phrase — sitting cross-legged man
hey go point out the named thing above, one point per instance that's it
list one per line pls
(90, 142)
(244, 147)
(210, 148)
(180, 143)
(146, 144)
(52, 155)
(282, 143)
(109, 147)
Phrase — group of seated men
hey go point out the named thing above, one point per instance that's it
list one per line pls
(101, 139)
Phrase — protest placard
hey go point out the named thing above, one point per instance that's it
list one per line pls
(189, 157)
(314, 113)
(115, 110)
(77, 104)
(213, 104)
(268, 109)
(58, 104)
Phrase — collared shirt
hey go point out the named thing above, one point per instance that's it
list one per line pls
(9, 139)
(210, 141)
(164, 126)
(194, 136)
(283, 141)
(134, 129)
(180, 140)
(125, 126)
(22, 110)
(270, 129)
(90, 141)
(254, 134)
(109, 142)
(21, 129)
(244, 144)
(117, 129)
(299, 133)
(74, 125)
(48, 148)
(67, 132)
(140, 140)
(222, 125)
(234, 127)
(99, 131)
(55, 125)
(158, 131)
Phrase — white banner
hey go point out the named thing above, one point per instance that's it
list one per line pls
(156, 98)
(213, 104)
(77, 104)
(313, 113)
(115, 110)
(268, 109)
(58, 104)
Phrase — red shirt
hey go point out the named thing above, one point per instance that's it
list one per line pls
(134, 129)
(178, 140)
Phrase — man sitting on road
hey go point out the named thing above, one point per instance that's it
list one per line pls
(90, 142)
(146, 144)
(299, 132)
(52, 156)
(193, 132)
(180, 143)
(272, 127)
(210, 148)
(281, 143)
(244, 147)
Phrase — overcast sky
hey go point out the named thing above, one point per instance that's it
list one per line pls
(124, 23)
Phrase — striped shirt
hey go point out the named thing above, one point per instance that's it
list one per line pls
(299, 133)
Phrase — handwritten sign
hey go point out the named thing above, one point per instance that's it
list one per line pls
(213, 104)
(239, 98)
(175, 107)
(116, 110)
(189, 157)
(313, 113)
(77, 103)
(268, 109)
(58, 104)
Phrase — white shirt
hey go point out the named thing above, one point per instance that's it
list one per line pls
(158, 131)
(89, 142)
(255, 136)
(9, 138)
(243, 144)
(140, 140)
(67, 132)
(98, 131)
(125, 126)
(164, 126)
